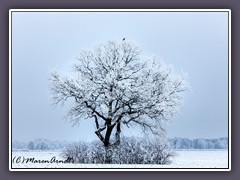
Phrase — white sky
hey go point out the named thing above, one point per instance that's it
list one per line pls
(194, 42)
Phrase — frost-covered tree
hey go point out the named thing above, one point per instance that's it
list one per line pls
(31, 145)
(115, 85)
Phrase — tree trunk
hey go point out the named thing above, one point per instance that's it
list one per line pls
(107, 135)
(107, 145)
(117, 135)
(108, 155)
(109, 148)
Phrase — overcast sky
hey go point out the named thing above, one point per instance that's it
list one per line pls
(193, 42)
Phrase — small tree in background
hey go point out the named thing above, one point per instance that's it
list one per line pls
(31, 145)
(115, 85)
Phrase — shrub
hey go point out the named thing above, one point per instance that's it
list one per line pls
(130, 151)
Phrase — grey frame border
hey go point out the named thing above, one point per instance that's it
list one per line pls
(11, 11)
(5, 5)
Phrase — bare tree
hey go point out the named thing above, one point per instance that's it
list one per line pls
(115, 85)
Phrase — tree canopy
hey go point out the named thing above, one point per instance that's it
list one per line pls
(116, 85)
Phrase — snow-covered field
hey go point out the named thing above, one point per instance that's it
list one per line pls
(183, 159)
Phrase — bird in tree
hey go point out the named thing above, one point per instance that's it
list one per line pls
(123, 39)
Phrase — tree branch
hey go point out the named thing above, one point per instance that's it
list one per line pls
(94, 111)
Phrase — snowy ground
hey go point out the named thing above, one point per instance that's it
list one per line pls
(183, 159)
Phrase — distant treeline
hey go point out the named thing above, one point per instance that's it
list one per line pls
(39, 144)
(185, 143)
(175, 143)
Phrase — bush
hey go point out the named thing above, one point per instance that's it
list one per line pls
(130, 151)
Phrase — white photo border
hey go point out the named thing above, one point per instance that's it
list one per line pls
(119, 169)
